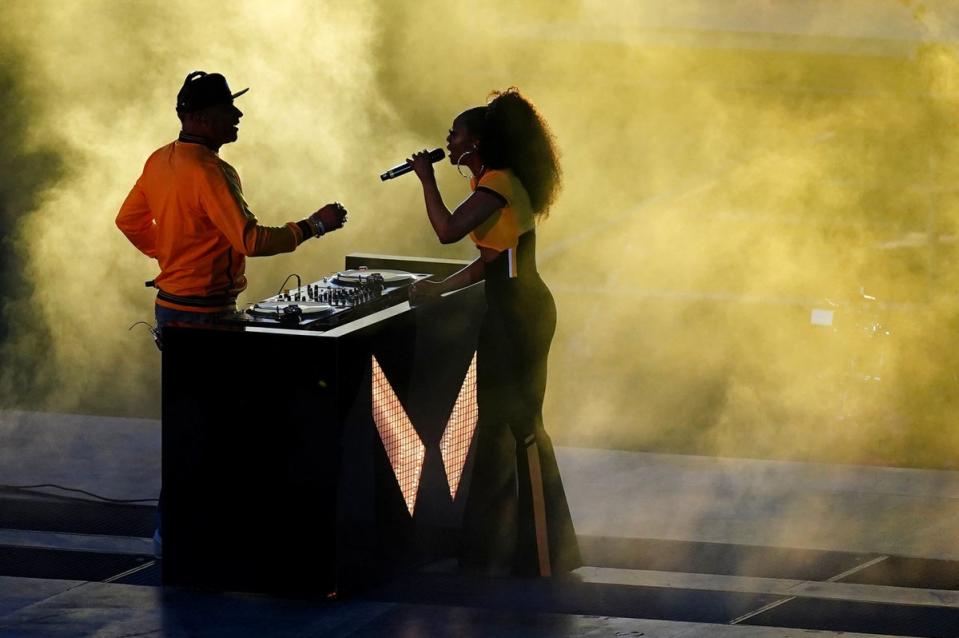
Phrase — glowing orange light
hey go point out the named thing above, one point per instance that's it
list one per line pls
(455, 444)
(403, 446)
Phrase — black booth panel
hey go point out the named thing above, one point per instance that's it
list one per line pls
(417, 517)
(276, 477)
(250, 442)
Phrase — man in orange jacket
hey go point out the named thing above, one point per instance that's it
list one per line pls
(187, 211)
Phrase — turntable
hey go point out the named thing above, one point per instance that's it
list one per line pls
(358, 276)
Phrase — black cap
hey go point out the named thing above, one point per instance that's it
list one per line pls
(202, 89)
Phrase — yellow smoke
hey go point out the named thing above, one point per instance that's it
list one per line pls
(725, 175)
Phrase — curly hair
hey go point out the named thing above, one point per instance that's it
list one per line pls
(512, 134)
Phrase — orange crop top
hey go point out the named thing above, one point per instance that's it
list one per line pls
(502, 230)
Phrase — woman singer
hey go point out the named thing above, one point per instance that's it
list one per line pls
(516, 518)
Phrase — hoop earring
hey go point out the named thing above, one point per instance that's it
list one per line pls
(459, 161)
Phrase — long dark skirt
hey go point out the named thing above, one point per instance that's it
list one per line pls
(499, 530)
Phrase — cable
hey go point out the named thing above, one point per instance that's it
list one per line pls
(32, 488)
(154, 330)
(149, 326)
(299, 282)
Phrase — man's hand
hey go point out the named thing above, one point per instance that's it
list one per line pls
(331, 217)
(422, 165)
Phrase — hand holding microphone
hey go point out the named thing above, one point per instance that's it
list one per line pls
(421, 163)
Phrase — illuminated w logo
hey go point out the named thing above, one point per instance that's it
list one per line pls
(403, 445)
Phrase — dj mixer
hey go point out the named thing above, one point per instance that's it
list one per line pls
(333, 300)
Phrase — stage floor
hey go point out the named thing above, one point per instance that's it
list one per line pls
(674, 546)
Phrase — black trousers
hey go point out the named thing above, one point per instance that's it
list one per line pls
(499, 530)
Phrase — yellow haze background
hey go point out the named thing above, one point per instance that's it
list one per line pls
(724, 177)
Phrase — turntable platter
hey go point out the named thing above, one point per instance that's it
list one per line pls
(357, 276)
(267, 308)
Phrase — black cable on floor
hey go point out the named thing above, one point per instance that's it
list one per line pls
(35, 488)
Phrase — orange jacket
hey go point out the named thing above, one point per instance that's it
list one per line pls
(187, 211)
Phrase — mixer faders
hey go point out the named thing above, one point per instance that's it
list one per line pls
(338, 297)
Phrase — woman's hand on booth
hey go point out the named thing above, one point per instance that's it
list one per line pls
(425, 291)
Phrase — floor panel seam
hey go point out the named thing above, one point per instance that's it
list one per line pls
(832, 579)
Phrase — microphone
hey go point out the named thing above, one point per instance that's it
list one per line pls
(402, 169)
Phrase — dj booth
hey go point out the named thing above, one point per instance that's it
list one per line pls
(321, 441)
